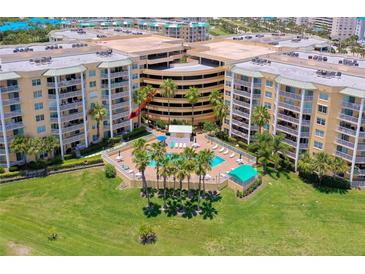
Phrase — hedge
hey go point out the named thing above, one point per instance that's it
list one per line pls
(136, 133)
(77, 162)
(250, 189)
(327, 181)
(11, 174)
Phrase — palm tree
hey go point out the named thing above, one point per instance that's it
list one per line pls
(138, 144)
(165, 172)
(278, 148)
(200, 171)
(35, 146)
(321, 164)
(98, 112)
(262, 147)
(168, 88)
(260, 117)
(138, 98)
(338, 165)
(193, 97)
(181, 173)
(173, 168)
(207, 157)
(189, 155)
(141, 158)
(215, 97)
(220, 111)
(305, 163)
(158, 152)
(51, 143)
(20, 144)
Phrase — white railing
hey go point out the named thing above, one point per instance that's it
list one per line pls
(9, 89)
(241, 113)
(345, 143)
(241, 103)
(348, 118)
(287, 130)
(346, 131)
(71, 105)
(12, 114)
(72, 128)
(353, 106)
(344, 155)
(73, 116)
(64, 83)
(71, 139)
(288, 118)
(8, 102)
(289, 106)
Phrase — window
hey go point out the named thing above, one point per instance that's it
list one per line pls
(38, 106)
(135, 76)
(95, 138)
(228, 93)
(135, 86)
(229, 73)
(323, 96)
(268, 94)
(321, 121)
(41, 129)
(318, 145)
(93, 94)
(92, 84)
(228, 83)
(39, 117)
(269, 83)
(36, 82)
(92, 73)
(267, 105)
(322, 109)
(37, 94)
(319, 133)
(135, 66)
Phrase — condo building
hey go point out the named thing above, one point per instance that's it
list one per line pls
(338, 27)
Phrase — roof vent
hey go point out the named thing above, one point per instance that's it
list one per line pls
(328, 74)
(260, 61)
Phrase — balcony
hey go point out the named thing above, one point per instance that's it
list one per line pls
(246, 94)
(64, 83)
(121, 125)
(288, 118)
(361, 146)
(346, 130)
(287, 130)
(7, 89)
(352, 106)
(12, 114)
(345, 143)
(73, 116)
(55, 131)
(74, 138)
(114, 74)
(119, 95)
(344, 155)
(247, 83)
(241, 113)
(73, 128)
(291, 95)
(68, 106)
(290, 142)
(119, 115)
(240, 124)
(290, 154)
(116, 85)
(70, 94)
(12, 125)
(9, 102)
(2, 151)
(289, 107)
(305, 134)
(239, 134)
(120, 105)
(360, 159)
(241, 103)
(348, 118)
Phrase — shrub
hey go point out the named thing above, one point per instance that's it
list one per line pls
(161, 124)
(52, 234)
(241, 144)
(2, 170)
(10, 174)
(136, 133)
(77, 162)
(56, 160)
(114, 140)
(13, 168)
(147, 235)
(68, 156)
(110, 171)
(93, 148)
(251, 188)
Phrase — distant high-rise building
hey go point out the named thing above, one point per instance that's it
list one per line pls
(338, 27)
(360, 28)
(301, 21)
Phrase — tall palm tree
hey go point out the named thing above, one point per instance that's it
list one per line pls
(141, 158)
(138, 98)
(189, 155)
(98, 112)
(20, 144)
(200, 171)
(173, 168)
(192, 96)
(158, 151)
(165, 173)
(305, 163)
(35, 146)
(321, 164)
(220, 111)
(278, 148)
(260, 117)
(51, 143)
(207, 157)
(168, 88)
(215, 97)
(181, 173)
(262, 147)
(138, 144)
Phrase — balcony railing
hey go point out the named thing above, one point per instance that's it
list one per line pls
(289, 106)
(239, 133)
(12, 114)
(120, 105)
(114, 74)
(345, 143)
(73, 116)
(291, 95)
(120, 95)
(346, 131)
(290, 142)
(241, 113)
(360, 159)
(64, 83)
(290, 154)
(70, 94)
(8, 102)
(287, 130)
(73, 128)
(361, 147)
(348, 118)
(288, 118)
(14, 125)
(121, 125)
(241, 103)
(119, 115)
(344, 155)
(72, 139)
(240, 124)
(71, 105)
(353, 106)
(7, 89)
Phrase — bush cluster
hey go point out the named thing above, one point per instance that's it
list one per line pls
(2, 170)
(136, 133)
(147, 235)
(77, 162)
(327, 181)
(250, 189)
(160, 124)
(110, 171)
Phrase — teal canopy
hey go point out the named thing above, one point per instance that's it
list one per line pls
(243, 173)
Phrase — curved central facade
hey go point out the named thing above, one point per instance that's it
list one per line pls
(203, 77)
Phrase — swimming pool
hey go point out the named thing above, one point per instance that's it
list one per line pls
(216, 161)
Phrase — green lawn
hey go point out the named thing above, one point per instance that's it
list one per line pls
(93, 217)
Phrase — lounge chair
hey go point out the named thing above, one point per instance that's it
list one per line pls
(180, 145)
(232, 155)
(225, 152)
(131, 171)
(184, 145)
(215, 146)
(221, 150)
(176, 145)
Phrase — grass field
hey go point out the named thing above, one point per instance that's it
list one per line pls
(93, 217)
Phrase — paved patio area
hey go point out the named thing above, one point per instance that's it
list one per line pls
(216, 174)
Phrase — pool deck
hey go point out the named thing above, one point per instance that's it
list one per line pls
(215, 173)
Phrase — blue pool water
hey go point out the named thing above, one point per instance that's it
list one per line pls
(31, 23)
(216, 161)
